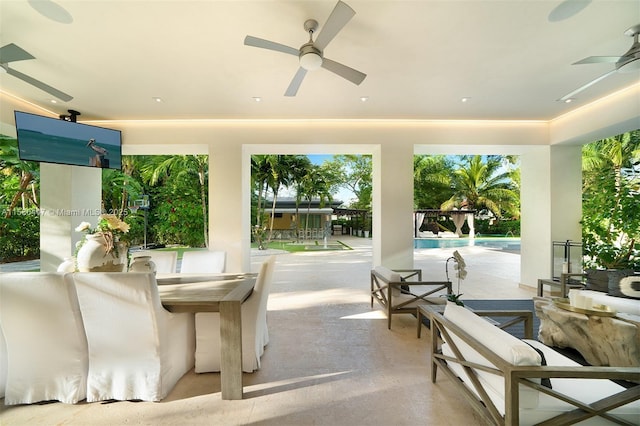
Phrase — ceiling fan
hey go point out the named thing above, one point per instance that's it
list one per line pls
(311, 53)
(13, 53)
(627, 63)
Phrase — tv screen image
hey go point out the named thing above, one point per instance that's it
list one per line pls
(52, 140)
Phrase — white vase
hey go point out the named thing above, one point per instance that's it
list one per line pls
(67, 265)
(142, 264)
(93, 256)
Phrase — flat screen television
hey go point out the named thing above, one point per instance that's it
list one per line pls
(51, 140)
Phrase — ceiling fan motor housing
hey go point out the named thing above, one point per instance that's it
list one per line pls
(310, 57)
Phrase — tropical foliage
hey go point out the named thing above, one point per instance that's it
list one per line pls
(611, 202)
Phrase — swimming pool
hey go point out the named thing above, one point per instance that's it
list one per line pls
(511, 244)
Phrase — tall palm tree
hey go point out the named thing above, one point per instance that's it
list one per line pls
(260, 176)
(315, 186)
(300, 166)
(481, 184)
(178, 165)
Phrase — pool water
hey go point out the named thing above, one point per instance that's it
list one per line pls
(511, 244)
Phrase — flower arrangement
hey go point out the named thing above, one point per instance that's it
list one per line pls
(461, 273)
(109, 227)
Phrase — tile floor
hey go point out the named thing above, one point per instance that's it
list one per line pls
(331, 359)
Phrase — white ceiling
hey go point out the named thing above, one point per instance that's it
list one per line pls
(420, 57)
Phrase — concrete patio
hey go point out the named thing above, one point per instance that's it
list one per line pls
(331, 359)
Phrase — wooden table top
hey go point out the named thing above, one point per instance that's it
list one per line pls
(205, 296)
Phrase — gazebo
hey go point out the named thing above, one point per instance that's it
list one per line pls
(458, 216)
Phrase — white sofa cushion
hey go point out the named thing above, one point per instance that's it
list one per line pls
(620, 304)
(506, 346)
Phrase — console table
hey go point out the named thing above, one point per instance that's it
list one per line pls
(601, 340)
(564, 284)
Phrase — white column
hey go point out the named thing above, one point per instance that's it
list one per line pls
(227, 209)
(551, 200)
(393, 206)
(535, 222)
(566, 192)
(68, 195)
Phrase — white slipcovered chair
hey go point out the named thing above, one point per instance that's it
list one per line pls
(45, 339)
(254, 327)
(166, 261)
(203, 261)
(137, 349)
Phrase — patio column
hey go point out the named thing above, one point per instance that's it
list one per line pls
(393, 206)
(69, 195)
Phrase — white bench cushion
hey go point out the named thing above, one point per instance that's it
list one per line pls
(506, 346)
(388, 274)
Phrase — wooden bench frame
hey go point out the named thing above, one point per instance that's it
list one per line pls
(382, 291)
(520, 375)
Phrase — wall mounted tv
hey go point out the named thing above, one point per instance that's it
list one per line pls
(51, 140)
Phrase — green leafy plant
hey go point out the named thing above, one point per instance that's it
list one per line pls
(611, 196)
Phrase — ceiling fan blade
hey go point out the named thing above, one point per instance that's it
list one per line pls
(296, 82)
(354, 76)
(586, 86)
(339, 17)
(13, 53)
(598, 60)
(271, 45)
(40, 85)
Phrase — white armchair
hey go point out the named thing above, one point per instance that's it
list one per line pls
(166, 261)
(254, 327)
(137, 349)
(46, 346)
(203, 261)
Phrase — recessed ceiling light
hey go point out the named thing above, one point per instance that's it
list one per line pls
(157, 99)
(364, 98)
(568, 100)
(465, 99)
(257, 99)
(53, 101)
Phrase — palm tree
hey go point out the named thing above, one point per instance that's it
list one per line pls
(279, 176)
(610, 215)
(315, 186)
(431, 180)
(260, 175)
(481, 184)
(180, 165)
(300, 166)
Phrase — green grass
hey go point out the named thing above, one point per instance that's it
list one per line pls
(293, 247)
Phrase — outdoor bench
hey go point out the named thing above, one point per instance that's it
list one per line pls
(509, 381)
(394, 290)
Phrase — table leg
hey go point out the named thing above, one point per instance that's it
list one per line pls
(231, 349)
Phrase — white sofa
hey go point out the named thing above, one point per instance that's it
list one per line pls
(501, 376)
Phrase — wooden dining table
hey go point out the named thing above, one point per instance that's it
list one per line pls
(222, 293)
